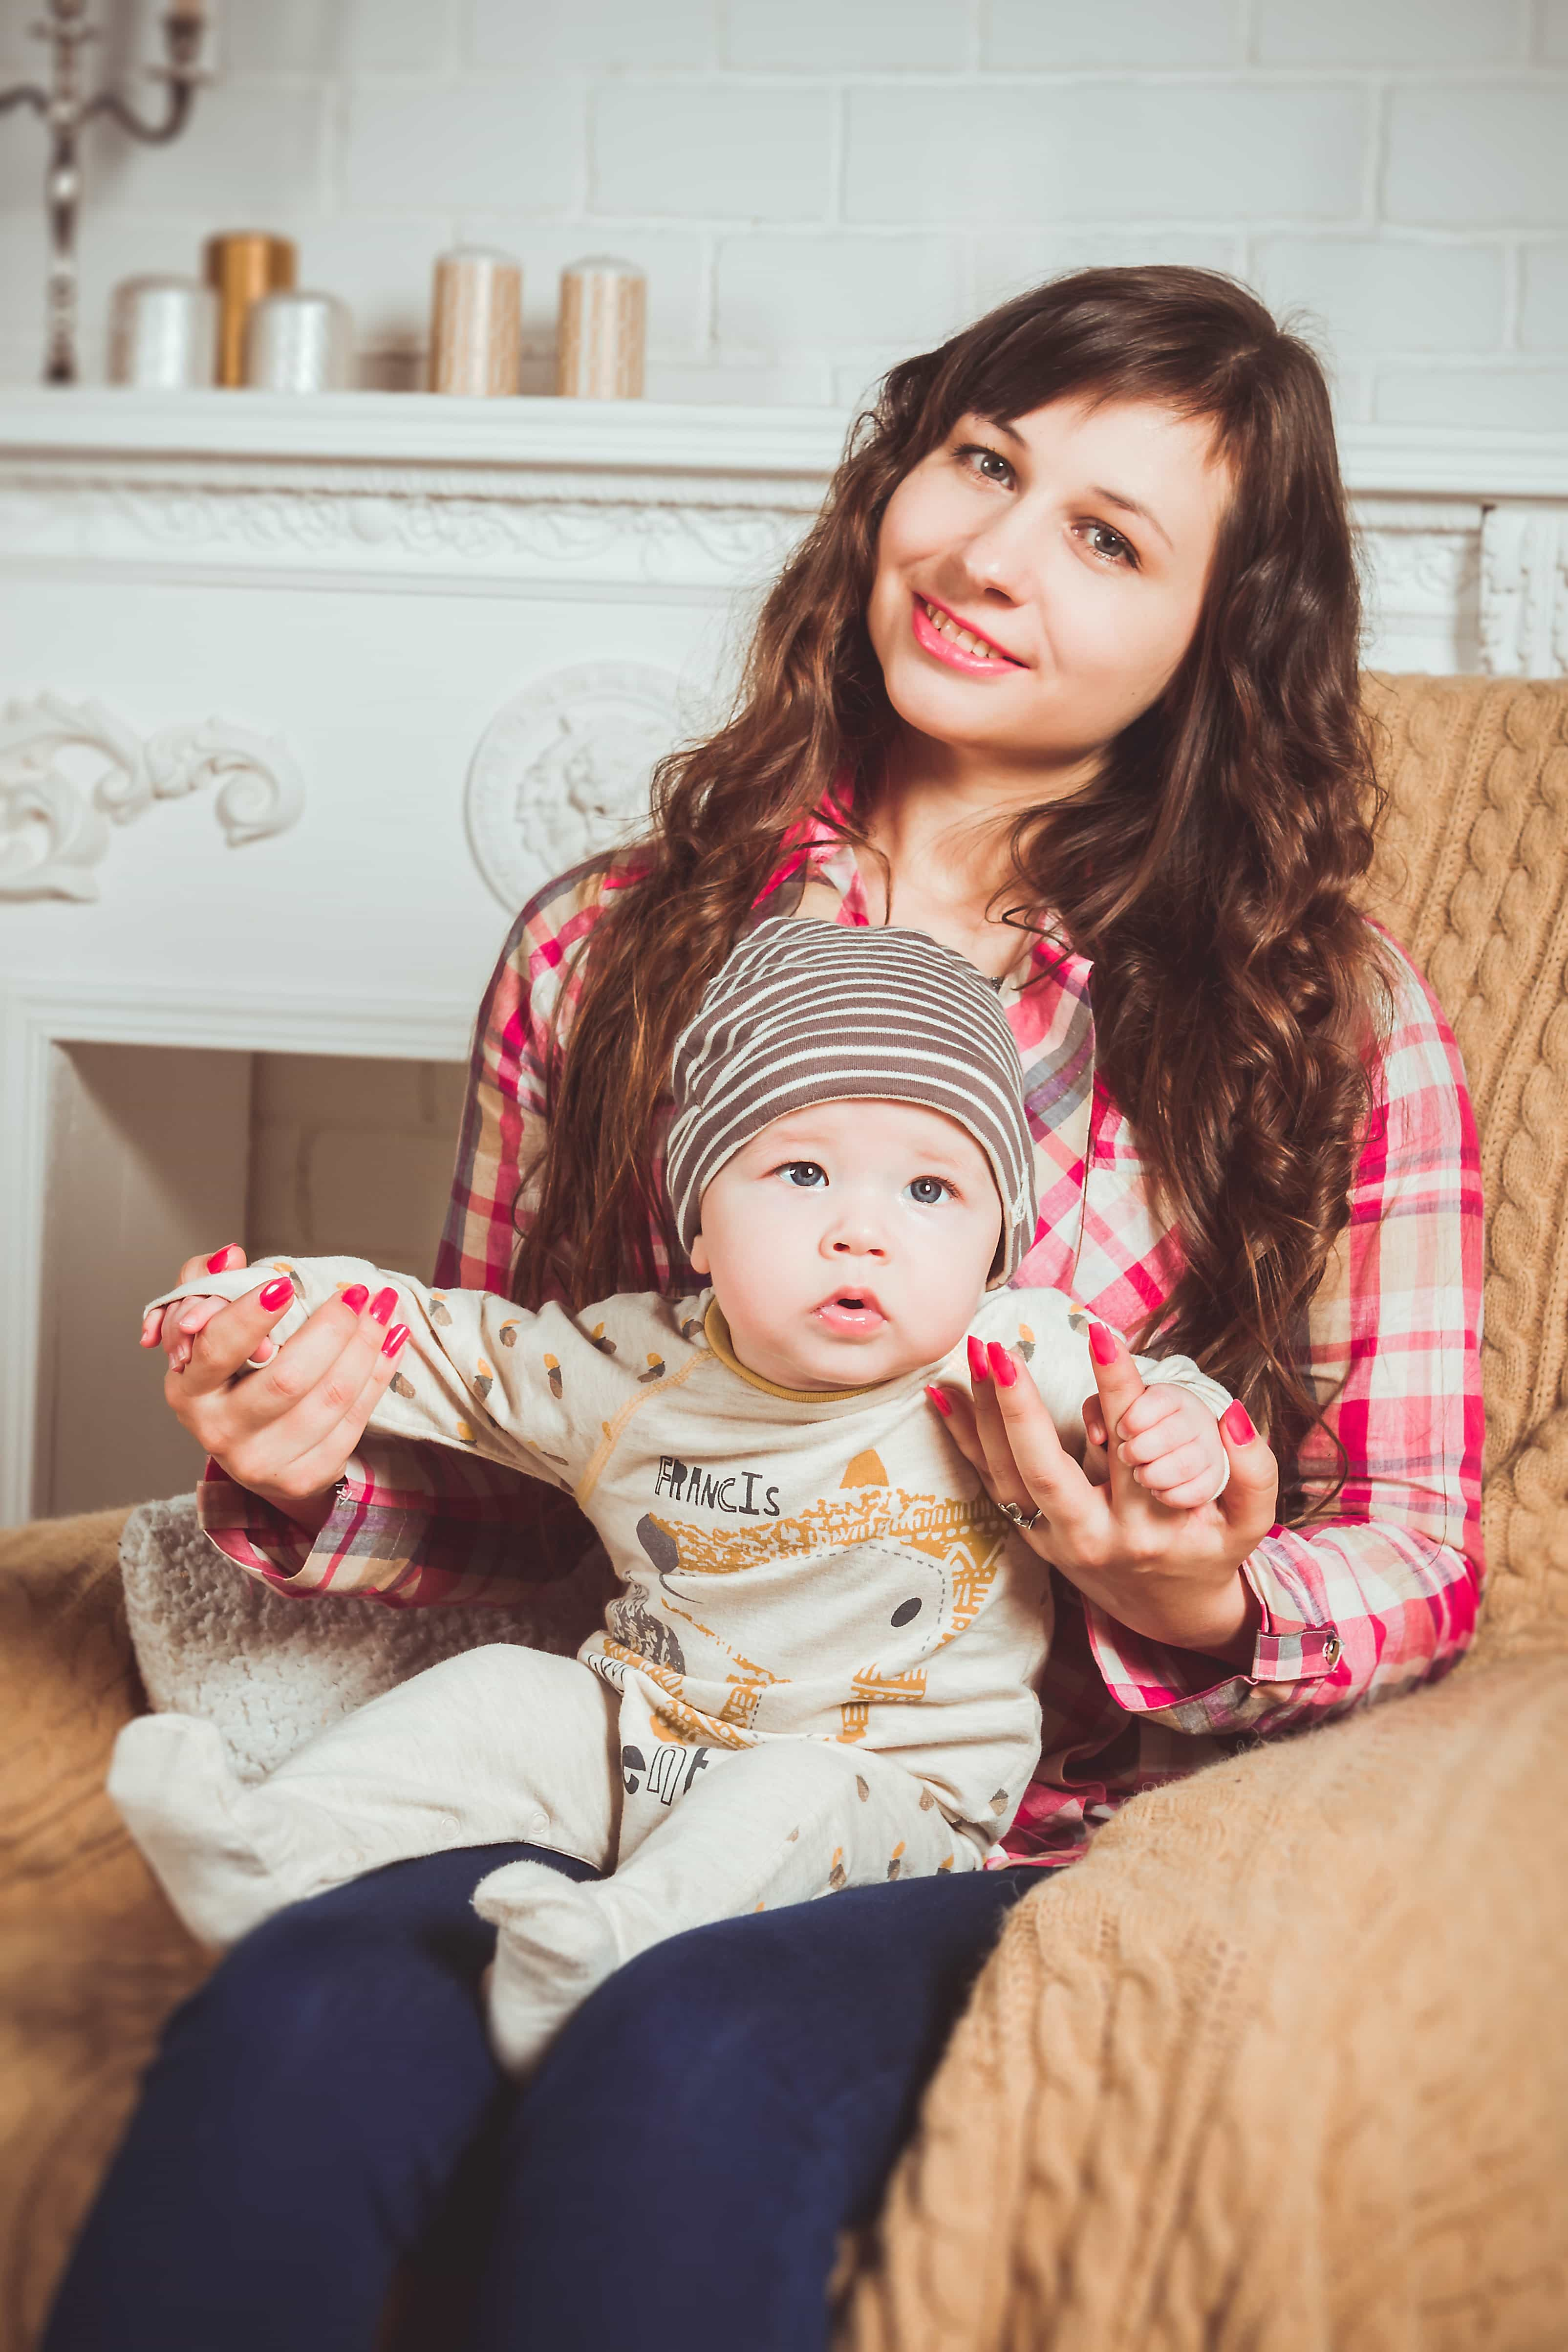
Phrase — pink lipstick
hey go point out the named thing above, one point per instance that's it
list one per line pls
(980, 657)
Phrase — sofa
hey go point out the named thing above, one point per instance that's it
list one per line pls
(1282, 2065)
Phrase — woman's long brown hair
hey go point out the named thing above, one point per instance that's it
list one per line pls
(1208, 869)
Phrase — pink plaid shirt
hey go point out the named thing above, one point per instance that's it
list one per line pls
(1377, 1595)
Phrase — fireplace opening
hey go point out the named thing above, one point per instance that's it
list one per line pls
(158, 1152)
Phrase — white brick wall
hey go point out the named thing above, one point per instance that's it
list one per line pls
(817, 185)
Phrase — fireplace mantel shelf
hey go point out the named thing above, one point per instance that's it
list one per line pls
(614, 438)
(1465, 533)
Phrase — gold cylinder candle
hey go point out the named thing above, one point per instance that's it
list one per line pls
(241, 269)
(602, 330)
(476, 322)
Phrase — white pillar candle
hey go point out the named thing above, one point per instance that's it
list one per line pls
(602, 330)
(476, 322)
(299, 342)
(163, 333)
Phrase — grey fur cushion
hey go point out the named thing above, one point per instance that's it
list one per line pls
(269, 1670)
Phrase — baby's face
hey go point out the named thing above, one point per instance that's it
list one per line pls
(850, 1243)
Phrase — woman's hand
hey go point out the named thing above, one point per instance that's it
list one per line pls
(287, 1431)
(1164, 1570)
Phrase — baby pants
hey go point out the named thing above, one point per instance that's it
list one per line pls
(508, 1744)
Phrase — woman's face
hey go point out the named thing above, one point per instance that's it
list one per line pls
(1071, 547)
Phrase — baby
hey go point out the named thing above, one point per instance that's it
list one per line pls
(819, 1671)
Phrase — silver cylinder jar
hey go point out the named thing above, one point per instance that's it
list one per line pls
(163, 333)
(299, 342)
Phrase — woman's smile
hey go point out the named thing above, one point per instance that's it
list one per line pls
(958, 643)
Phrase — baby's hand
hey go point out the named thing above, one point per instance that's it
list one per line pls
(176, 1327)
(1171, 1443)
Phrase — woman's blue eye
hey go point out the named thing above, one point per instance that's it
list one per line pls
(927, 1190)
(804, 1172)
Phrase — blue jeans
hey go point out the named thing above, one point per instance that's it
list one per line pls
(326, 2109)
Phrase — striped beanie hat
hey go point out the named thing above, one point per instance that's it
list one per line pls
(805, 1012)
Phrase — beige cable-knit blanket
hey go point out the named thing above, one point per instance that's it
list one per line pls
(1242, 2080)
(1283, 2066)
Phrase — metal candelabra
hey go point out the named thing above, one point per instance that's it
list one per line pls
(66, 112)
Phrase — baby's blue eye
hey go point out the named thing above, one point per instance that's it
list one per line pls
(927, 1190)
(804, 1172)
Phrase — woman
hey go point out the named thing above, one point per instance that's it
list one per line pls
(1066, 675)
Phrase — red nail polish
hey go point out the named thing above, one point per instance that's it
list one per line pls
(219, 1259)
(939, 1400)
(394, 1339)
(1102, 1344)
(355, 1296)
(277, 1293)
(1237, 1424)
(381, 1305)
(979, 1367)
(1004, 1371)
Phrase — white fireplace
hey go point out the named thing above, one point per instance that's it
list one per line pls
(302, 700)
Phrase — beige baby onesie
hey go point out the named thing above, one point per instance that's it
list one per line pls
(819, 1671)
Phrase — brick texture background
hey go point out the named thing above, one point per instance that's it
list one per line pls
(818, 186)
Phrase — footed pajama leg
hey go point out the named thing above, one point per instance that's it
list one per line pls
(782, 1822)
(504, 1743)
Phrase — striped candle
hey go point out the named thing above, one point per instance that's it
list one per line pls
(602, 330)
(476, 322)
